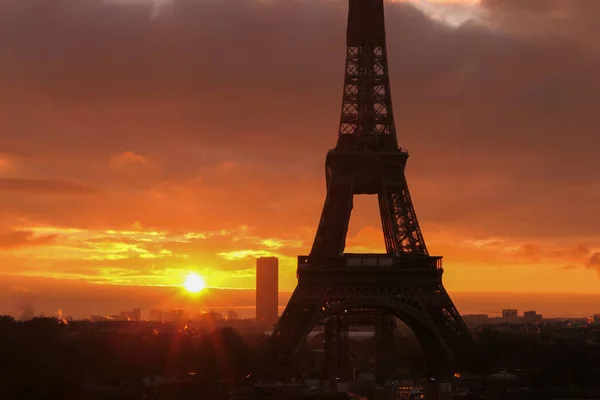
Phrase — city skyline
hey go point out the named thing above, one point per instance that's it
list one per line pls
(109, 299)
(123, 174)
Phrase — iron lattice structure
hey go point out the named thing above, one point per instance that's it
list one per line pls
(406, 282)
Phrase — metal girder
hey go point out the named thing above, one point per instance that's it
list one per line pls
(418, 300)
(406, 282)
(330, 239)
(398, 218)
(337, 347)
(367, 119)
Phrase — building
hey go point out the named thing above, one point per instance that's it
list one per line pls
(267, 289)
(122, 316)
(474, 320)
(136, 314)
(176, 315)
(510, 316)
(170, 315)
(156, 315)
(232, 315)
(532, 317)
(596, 319)
(210, 317)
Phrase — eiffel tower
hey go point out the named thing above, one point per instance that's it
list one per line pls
(405, 282)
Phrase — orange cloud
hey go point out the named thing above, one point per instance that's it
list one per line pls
(6, 163)
(44, 186)
(594, 262)
(129, 159)
(19, 239)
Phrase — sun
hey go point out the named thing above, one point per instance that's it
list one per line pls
(194, 283)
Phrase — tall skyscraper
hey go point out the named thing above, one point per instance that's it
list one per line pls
(267, 289)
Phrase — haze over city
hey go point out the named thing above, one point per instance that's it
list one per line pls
(127, 161)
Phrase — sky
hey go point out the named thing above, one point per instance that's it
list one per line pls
(143, 140)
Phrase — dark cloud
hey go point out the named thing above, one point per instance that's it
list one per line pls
(545, 253)
(17, 239)
(500, 118)
(43, 186)
(572, 22)
(594, 262)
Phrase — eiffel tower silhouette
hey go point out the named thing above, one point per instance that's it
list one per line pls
(405, 282)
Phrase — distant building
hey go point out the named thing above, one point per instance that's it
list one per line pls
(181, 316)
(210, 317)
(156, 315)
(123, 316)
(473, 320)
(267, 289)
(596, 319)
(510, 316)
(136, 314)
(133, 315)
(176, 315)
(170, 315)
(232, 315)
(532, 317)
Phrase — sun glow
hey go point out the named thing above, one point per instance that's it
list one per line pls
(453, 13)
(194, 283)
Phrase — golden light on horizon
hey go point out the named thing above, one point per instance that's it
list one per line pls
(194, 283)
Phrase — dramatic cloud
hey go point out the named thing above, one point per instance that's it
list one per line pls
(594, 262)
(196, 117)
(43, 186)
(17, 239)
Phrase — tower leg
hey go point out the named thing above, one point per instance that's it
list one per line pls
(336, 347)
(439, 388)
(293, 325)
(385, 340)
(330, 353)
